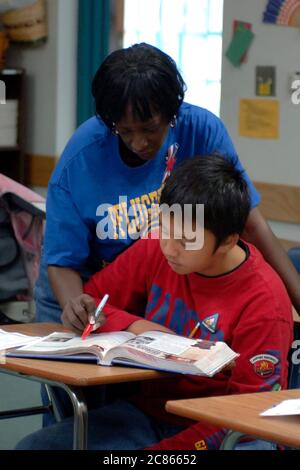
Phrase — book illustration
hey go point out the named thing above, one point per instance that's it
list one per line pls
(176, 351)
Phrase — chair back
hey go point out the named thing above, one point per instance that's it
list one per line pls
(294, 359)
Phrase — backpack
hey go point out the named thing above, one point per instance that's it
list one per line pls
(21, 230)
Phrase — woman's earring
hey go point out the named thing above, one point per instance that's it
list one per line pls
(114, 130)
(173, 121)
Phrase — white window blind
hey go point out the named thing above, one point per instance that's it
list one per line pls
(190, 31)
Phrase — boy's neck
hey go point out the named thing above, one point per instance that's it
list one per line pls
(228, 262)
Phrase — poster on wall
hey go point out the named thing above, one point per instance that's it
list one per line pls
(265, 80)
(239, 45)
(282, 12)
(235, 27)
(259, 118)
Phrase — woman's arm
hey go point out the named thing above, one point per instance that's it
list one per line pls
(68, 289)
(258, 232)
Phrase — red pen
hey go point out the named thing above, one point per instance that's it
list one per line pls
(90, 326)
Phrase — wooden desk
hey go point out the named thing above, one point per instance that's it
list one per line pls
(70, 376)
(241, 413)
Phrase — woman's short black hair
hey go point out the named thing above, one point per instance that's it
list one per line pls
(215, 182)
(141, 76)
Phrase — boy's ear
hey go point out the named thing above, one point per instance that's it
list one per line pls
(228, 243)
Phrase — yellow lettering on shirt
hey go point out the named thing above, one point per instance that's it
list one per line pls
(113, 218)
(154, 197)
(140, 215)
(201, 445)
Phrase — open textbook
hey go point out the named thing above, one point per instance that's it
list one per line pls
(153, 349)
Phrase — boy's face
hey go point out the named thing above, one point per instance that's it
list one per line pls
(181, 258)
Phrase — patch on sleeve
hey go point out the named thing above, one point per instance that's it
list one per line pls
(264, 364)
(201, 445)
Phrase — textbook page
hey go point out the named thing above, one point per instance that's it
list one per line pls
(60, 344)
(164, 351)
(13, 340)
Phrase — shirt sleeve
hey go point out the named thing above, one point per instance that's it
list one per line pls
(67, 237)
(125, 281)
(263, 347)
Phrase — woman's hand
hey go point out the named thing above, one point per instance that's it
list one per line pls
(77, 312)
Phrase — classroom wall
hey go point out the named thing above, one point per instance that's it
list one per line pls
(66, 72)
(51, 81)
(51, 91)
(271, 161)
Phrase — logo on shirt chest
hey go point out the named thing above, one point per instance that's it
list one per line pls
(210, 323)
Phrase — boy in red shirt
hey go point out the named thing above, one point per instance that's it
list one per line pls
(171, 284)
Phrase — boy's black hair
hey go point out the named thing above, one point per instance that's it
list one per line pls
(141, 76)
(215, 182)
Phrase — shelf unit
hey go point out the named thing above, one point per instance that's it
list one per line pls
(12, 160)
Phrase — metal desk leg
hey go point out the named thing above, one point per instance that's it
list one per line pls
(80, 417)
(231, 439)
(78, 402)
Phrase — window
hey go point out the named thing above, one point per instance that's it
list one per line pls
(190, 31)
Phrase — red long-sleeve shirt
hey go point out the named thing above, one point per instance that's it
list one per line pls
(247, 308)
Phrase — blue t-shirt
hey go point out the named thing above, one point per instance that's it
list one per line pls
(93, 193)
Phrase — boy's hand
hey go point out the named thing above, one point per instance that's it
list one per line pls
(139, 327)
(229, 367)
(78, 311)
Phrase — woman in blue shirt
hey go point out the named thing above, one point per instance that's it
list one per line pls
(108, 179)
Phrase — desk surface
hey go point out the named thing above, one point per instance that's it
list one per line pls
(241, 413)
(70, 373)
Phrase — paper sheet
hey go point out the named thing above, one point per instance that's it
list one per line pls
(236, 26)
(240, 43)
(259, 118)
(285, 408)
(14, 340)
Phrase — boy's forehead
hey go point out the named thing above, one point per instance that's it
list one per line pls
(185, 227)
